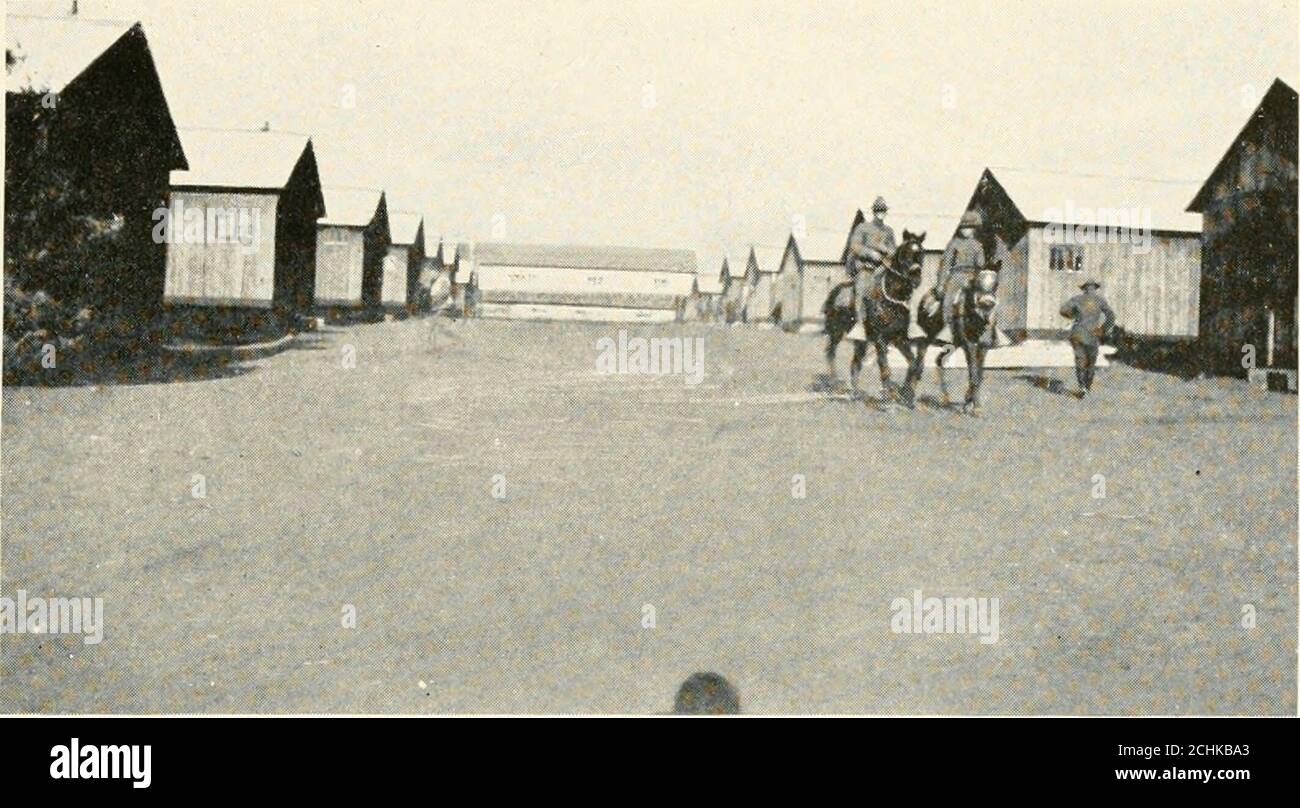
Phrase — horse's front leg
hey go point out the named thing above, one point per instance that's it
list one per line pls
(832, 342)
(855, 368)
(944, 352)
(974, 363)
(888, 390)
(909, 383)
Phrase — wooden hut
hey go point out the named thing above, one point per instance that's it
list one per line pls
(1248, 242)
(732, 277)
(1060, 229)
(431, 270)
(241, 224)
(709, 284)
(351, 241)
(810, 267)
(760, 277)
(457, 262)
(592, 283)
(403, 261)
(83, 100)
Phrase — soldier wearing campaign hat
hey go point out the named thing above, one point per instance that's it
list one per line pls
(961, 260)
(870, 244)
(1093, 321)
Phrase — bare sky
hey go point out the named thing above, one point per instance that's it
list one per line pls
(701, 124)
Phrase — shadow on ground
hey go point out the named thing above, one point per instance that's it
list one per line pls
(154, 366)
(1052, 385)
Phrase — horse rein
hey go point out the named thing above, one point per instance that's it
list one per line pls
(891, 270)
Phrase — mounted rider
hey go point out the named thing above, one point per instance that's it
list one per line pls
(870, 244)
(961, 260)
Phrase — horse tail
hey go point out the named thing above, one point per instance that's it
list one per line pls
(829, 306)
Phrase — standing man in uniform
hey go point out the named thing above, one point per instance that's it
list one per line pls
(870, 244)
(1093, 320)
(963, 258)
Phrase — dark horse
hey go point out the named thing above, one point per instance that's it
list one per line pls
(888, 315)
(972, 331)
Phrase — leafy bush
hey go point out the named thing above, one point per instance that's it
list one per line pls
(59, 241)
(43, 338)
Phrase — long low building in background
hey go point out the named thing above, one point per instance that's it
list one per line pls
(591, 283)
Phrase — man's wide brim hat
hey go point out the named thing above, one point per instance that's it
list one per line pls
(970, 218)
(1090, 284)
(879, 206)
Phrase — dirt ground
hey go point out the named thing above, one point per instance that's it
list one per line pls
(373, 487)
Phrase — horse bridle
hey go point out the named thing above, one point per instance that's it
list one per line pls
(970, 291)
(890, 269)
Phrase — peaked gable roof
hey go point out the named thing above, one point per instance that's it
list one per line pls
(767, 259)
(52, 52)
(1058, 197)
(58, 54)
(822, 248)
(448, 251)
(1276, 109)
(407, 228)
(229, 158)
(710, 283)
(352, 207)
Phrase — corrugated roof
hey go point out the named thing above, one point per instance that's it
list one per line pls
(239, 159)
(52, 51)
(351, 207)
(768, 258)
(585, 257)
(1064, 198)
(404, 226)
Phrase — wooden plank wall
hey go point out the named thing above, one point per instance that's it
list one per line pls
(785, 289)
(397, 265)
(340, 257)
(1013, 289)
(1154, 294)
(201, 270)
(759, 303)
(818, 278)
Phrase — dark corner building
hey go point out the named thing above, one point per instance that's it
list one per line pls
(84, 107)
(1248, 209)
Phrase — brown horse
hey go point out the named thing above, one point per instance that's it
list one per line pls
(888, 313)
(972, 330)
